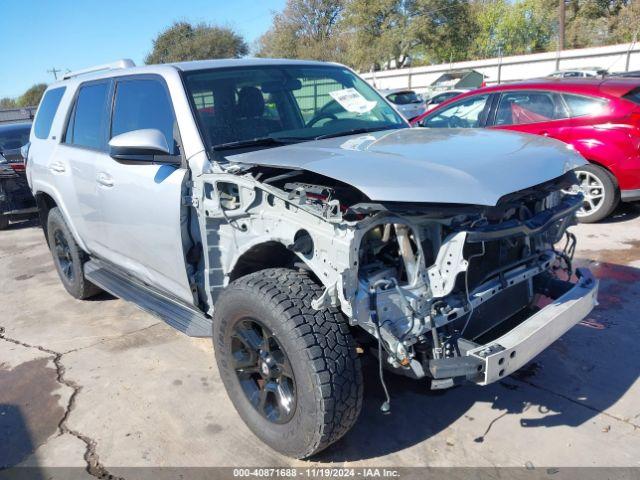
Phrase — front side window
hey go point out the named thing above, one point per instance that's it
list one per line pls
(141, 104)
(88, 120)
(47, 111)
(466, 113)
(579, 105)
(285, 103)
(521, 108)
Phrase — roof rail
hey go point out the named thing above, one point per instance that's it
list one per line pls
(123, 63)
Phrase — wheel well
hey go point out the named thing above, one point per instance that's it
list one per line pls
(605, 168)
(259, 257)
(45, 203)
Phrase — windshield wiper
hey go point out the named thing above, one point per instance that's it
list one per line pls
(353, 131)
(256, 142)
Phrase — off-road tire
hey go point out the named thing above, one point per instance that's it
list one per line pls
(611, 193)
(77, 285)
(4, 221)
(321, 351)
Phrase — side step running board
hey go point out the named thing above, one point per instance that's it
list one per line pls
(186, 319)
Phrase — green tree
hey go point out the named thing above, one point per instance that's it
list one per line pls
(32, 96)
(7, 102)
(308, 29)
(373, 34)
(514, 28)
(379, 33)
(183, 41)
(625, 27)
(444, 29)
(600, 22)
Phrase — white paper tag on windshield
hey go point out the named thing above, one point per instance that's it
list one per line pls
(352, 101)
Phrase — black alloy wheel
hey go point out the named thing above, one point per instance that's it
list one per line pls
(263, 370)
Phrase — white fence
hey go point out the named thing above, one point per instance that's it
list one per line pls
(615, 58)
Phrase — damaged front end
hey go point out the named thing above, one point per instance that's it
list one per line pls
(445, 292)
(465, 293)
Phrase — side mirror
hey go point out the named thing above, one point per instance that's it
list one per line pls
(141, 146)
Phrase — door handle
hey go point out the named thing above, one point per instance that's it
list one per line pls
(104, 179)
(57, 167)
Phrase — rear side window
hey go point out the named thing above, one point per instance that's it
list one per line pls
(141, 104)
(579, 105)
(403, 98)
(521, 108)
(47, 111)
(633, 96)
(88, 121)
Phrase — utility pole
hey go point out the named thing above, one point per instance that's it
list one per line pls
(55, 72)
(561, 21)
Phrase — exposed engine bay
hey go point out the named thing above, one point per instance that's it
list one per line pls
(432, 285)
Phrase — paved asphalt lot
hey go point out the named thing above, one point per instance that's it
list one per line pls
(103, 384)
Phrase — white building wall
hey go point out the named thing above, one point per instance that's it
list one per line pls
(509, 69)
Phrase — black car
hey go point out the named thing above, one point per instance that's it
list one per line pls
(16, 201)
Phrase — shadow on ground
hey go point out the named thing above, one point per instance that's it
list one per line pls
(585, 372)
(29, 409)
(624, 213)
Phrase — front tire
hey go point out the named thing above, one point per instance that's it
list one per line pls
(68, 257)
(4, 221)
(600, 190)
(267, 337)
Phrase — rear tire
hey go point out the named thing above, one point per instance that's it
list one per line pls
(68, 257)
(601, 193)
(4, 222)
(315, 360)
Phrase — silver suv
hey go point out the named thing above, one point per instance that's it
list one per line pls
(287, 210)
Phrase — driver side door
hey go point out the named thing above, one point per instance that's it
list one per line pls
(469, 112)
(141, 203)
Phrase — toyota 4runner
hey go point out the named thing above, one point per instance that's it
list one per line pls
(287, 210)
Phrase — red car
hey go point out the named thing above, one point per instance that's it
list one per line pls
(599, 117)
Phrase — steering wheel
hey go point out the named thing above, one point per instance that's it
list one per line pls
(319, 117)
(456, 122)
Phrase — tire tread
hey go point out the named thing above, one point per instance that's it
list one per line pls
(329, 346)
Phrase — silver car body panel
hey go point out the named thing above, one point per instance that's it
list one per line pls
(466, 166)
(511, 351)
(100, 200)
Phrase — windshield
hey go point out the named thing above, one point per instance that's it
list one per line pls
(285, 103)
(13, 137)
(404, 98)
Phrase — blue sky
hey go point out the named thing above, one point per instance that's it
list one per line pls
(38, 35)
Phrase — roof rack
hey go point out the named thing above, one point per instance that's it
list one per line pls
(123, 63)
